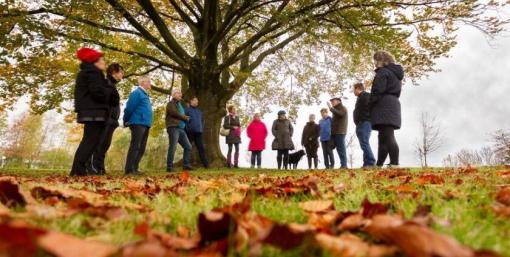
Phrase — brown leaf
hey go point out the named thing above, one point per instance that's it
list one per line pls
(348, 245)
(214, 225)
(10, 195)
(352, 222)
(415, 240)
(429, 179)
(503, 196)
(62, 245)
(289, 236)
(18, 239)
(318, 206)
(371, 209)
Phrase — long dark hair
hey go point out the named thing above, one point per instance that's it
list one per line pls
(113, 67)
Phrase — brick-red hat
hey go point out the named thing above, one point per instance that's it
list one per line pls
(88, 54)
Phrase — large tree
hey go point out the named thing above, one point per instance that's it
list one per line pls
(256, 52)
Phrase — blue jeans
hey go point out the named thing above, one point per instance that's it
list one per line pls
(363, 131)
(178, 135)
(329, 158)
(340, 148)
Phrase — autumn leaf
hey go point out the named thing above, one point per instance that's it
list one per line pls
(317, 206)
(371, 209)
(10, 195)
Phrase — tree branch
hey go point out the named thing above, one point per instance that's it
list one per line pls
(183, 15)
(163, 30)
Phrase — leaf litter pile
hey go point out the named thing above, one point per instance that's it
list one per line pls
(400, 212)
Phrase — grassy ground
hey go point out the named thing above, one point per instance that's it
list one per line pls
(460, 200)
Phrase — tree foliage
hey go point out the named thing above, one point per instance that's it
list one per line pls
(263, 52)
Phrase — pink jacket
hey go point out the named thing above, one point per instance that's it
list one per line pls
(257, 132)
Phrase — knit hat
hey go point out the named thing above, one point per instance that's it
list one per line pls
(88, 55)
(282, 112)
(335, 98)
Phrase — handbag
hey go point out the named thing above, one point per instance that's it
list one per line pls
(223, 131)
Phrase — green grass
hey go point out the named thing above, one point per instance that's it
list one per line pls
(467, 216)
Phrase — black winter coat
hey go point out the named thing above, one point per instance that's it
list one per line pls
(310, 136)
(91, 95)
(362, 109)
(114, 101)
(384, 103)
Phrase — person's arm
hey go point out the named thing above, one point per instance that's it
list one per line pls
(171, 110)
(378, 88)
(338, 112)
(273, 129)
(291, 129)
(303, 139)
(249, 130)
(95, 84)
(131, 105)
(226, 122)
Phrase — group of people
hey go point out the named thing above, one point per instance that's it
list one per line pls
(97, 104)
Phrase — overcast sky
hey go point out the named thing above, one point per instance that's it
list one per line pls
(469, 97)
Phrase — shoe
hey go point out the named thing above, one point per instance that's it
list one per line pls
(236, 166)
(229, 166)
(391, 166)
(170, 170)
(206, 166)
(188, 168)
(134, 173)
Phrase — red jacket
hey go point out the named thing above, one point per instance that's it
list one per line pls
(257, 132)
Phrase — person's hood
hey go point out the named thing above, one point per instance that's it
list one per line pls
(397, 69)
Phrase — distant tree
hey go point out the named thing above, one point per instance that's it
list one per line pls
(467, 157)
(501, 140)
(488, 156)
(24, 139)
(350, 145)
(431, 139)
(450, 161)
(247, 51)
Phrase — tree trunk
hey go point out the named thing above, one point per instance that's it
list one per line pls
(212, 100)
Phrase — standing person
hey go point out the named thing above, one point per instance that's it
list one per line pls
(114, 74)
(91, 103)
(310, 141)
(233, 139)
(385, 110)
(327, 142)
(195, 129)
(282, 131)
(257, 132)
(339, 128)
(138, 117)
(176, 120)
(363, 126)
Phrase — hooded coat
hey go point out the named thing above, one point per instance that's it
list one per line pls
(282, 131)
(257, 132)
(91, 94)
(384, 102)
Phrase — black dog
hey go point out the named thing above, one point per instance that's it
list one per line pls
(295, 157)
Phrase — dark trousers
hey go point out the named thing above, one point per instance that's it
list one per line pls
(236, 155)
(363, 131)
(139, 136)
(340, 149)
(97, 159)
(329, 158)
(90, 140)
(178, 136)
(311, 155)
(387, 145)
(256, 158)
(282, 156)
(198, 139)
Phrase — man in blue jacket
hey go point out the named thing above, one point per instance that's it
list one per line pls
(327, 141)
(195, 129)
(138, 117)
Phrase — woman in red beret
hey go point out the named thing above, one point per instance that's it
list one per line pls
(91, 102)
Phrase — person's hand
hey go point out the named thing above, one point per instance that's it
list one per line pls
(235, 127)
(187, 118)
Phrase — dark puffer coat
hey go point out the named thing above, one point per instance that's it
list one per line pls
(384, 103)
(230, 122)
(282, 131)
(91, 95)
(310, 137)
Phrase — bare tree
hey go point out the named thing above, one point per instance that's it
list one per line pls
(488, 156)
(350, 145)
(450, 161)
(501, 140)
(467, 157)
(430, 140)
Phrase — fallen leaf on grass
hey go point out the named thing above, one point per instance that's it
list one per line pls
(348, 245)
(352, 222)
(289, 236)
(415, 240)
(503, 196)
(317, 206)
(430, 179)
(214, 225)
(62, 245)
(10, 195)
(371, 209)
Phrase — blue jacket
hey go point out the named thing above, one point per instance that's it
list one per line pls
(325, 125)
(196, 120)
(138, 109)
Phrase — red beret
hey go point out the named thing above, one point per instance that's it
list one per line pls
(88, 54)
